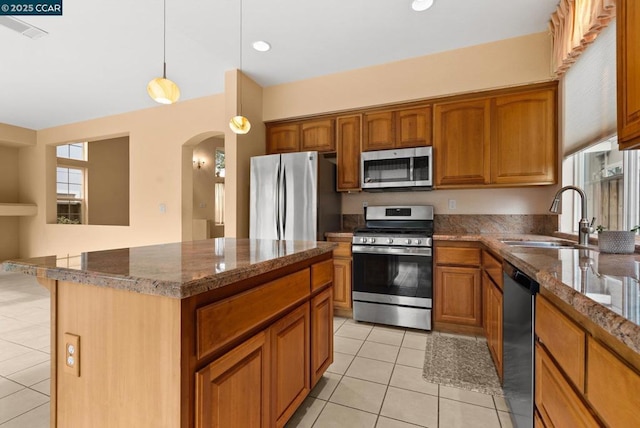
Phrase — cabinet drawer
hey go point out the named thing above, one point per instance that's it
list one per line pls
(321, 274)
(556, 401)
(458, 256)
(246, 311)
(563, 339)
(343, 250)
(612, 387)
(493, 267)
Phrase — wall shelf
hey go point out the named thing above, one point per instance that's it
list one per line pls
(18, 210)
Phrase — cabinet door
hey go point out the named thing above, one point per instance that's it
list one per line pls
(289, 364)
(558, 404)
(628, 66)
(457, 295)
(318, 135)
(342, 283)
(461, 143)
(321, 334)
(283, 138)
(413, 127)
(494, 340)
(524, 138)
(348, 152)
(233, 391)
(379, 131)
(612, 387)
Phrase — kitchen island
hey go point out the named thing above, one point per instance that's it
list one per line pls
(224, 332)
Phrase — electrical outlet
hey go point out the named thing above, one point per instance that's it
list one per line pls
(452, 204)
(163, 208)
(72, 354)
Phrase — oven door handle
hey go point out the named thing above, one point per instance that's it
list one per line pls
(395, 251)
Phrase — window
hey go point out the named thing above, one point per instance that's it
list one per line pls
(219, 187)
(610, 180)
(92, 183)
(70, 182)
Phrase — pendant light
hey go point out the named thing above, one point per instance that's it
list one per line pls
(240, 124)
(161, 89)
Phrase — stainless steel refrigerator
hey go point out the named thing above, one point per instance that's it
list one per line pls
(293, 197)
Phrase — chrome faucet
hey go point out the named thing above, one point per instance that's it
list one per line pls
(584, 226)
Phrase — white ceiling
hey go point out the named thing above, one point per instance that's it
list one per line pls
(99, 56)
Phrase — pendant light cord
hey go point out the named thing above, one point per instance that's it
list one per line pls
(164, 40)
(240, 74)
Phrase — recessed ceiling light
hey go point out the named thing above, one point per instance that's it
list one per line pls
(420, 5)
(261, 46)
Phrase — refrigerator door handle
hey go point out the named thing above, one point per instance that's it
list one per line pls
(284, 198)
(276, 202)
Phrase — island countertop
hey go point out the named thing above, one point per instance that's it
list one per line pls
(178, 270)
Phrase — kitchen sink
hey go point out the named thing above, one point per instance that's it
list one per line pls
(540, 244)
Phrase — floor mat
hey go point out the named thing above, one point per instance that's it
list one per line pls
(460, 362)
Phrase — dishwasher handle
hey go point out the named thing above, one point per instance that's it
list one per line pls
(521, 278)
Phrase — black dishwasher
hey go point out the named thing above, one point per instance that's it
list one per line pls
(518, 328)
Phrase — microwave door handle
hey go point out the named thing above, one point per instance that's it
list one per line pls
(411, 175)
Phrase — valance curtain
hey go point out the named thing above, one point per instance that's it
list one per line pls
(574, 25)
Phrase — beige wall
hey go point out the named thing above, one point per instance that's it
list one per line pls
(156, 138)
(16, 136)
(9, 242)
(108, 182)
(505, 63)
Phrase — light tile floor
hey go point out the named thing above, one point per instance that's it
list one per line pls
(375, 380)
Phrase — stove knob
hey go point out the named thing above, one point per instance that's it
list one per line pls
(419, 241)
(390, 241)
(408, 241)
(372, 240)
(364, 240)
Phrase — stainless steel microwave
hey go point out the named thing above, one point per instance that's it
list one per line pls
(398, 169)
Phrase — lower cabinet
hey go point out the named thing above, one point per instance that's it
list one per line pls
(342, 263)
(457, 295)
(492, 314)
(233, 391)
(556, 401)
(581, 380)
(290, 375)
(322, 333)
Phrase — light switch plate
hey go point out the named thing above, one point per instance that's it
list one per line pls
(72, 354)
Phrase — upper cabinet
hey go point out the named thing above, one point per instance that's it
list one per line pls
(503, 140)
(628, 66)
(348, 152)
(311, 135)
(397, 128)
(523, 141)
(462, 142)
(283, 138)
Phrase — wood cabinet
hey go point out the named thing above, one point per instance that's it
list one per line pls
(290, 356)
(342, 264)
(309, 135)
(348, 141)
(457, 288)
(233, 391)
(612, 387)
(523, 149)
(628, 73)
(492, 302)
(322, 333)
(556, 401)
(283, 138)
(397, 128)
(461, 142)
(506, 139)
(580, 380)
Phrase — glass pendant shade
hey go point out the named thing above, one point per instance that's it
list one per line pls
(163, 90)
(240, 124)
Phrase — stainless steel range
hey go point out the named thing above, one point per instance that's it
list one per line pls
(392, 266)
